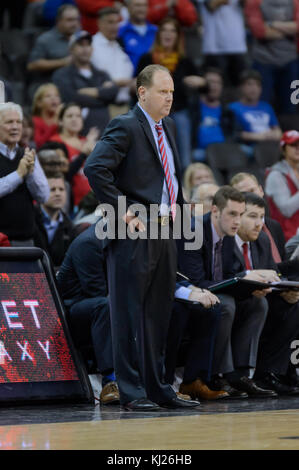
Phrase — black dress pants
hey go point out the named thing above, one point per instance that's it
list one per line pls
(281, 328)
(141, 283)
(89, 322)
(198, 326)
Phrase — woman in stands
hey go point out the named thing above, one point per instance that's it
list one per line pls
(168, 50)
(45, 109)
(282, 185)
(196, 174)
(70, 127)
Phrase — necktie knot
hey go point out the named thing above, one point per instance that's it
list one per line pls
(158, 128)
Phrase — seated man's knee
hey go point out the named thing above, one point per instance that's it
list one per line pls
(228, 307)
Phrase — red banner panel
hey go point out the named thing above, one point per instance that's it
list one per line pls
(33, 346)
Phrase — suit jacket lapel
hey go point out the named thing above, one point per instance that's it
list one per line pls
(172, 142)
(254, 255)
(239, 255)
(147, 129)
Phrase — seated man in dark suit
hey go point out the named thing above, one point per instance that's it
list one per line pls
(253, 251)
(54, 229)
(242, 321)
(247, 183)
(83, 288)
(288, 266)
(191, 339)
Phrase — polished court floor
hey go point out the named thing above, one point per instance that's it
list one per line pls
(226, 425)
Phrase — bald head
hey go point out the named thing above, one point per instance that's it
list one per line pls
(247, 183)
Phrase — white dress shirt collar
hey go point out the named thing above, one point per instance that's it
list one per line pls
(7, 152)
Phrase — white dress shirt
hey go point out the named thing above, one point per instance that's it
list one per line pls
(109, 56)
(165, 202)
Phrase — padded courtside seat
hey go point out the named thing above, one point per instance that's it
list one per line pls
(226, 159)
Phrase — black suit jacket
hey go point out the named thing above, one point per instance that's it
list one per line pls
(125, 162)
(197, 264)
(288, 268)
(82, 274)
(261, 255)
(277, 234)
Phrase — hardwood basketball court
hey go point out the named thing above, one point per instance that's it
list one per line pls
(228, 425)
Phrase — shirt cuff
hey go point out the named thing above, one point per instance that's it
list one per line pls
(182, 293)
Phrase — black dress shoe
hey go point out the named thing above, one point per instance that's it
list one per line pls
(141, 404)
(178, 402)
(220, 383)
(252, 389)
(272, 382)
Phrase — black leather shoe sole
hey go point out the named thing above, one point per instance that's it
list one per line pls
(180, 403)
(263, 395)
(141, 405)
(281, 389)
(236, 395)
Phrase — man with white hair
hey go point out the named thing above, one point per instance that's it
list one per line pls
(22, 179)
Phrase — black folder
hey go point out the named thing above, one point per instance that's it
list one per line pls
(238, 287)
(241, 288)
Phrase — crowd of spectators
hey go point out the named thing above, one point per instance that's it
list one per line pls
(80, 71)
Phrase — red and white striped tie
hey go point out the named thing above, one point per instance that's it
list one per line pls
(166, 170)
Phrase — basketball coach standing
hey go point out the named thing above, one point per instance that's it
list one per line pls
(137, 158)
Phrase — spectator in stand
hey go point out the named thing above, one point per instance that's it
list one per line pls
(45, 108)
(22, 179)
(196, 174)
(55, 160)
(224, 39)
(27, 132)
(78, 146)
(54, 231)
(212, 120)
(183, 10)
(51, 51)
(274, 50)
(90, 9)
(256, 119)
(81, 83)
(109, 56)
(51, 7)
(282, 185)
(168, 50)
(137, 35)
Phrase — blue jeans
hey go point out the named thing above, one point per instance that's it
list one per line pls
(278, 80)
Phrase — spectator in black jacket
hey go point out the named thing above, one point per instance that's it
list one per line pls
(83, 287)
(55, 231)
(84, 85)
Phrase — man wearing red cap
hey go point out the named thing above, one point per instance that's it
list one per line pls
(282, 185)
